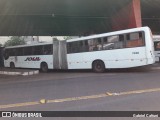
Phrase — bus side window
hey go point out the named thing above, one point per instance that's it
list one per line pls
(86, 46)
(48, 49)
(113, 42)
(19, 51)
(105, 43)
(99, 44)
(120, 43)
(72, 47)
(38, 50)
(128, 37)
(75, 47)
(109, 42)
(135, 39)
(68, 47)
(27, 50)
(140, 35)
(12, 52)
(93, 44)
(80, 47)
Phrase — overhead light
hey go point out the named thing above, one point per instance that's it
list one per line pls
(53, 15)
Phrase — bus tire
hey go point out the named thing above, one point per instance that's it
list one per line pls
(12, 65)
(98, 66)
(44, 67)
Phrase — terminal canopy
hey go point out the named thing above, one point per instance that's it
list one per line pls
(68, 17)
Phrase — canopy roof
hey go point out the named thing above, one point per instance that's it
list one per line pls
(67, 17)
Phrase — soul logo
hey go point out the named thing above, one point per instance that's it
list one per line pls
(33, 59)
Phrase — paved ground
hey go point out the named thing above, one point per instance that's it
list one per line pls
(15, 72)
(82, 91)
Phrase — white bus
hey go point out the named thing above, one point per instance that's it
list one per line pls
(120, 49)
(156, 39)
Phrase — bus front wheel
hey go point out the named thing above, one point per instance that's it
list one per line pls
(44, 67)
(98, 66)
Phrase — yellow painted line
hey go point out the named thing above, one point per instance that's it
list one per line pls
(77, 98)
(19, 105)
(43, 101)
(140, 91)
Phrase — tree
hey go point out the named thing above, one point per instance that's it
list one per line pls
(69, 37)
(15, 40)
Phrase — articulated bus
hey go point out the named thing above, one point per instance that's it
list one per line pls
(120, 49)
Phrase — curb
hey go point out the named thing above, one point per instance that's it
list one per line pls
(155, 68)
(19, 73)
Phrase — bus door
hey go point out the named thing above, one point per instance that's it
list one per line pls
(59, 55)
(1, 57)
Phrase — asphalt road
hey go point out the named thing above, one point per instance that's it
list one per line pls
(120, 90)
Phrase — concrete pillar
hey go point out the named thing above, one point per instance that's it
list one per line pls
(128, 17)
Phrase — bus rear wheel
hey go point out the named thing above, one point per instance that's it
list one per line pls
(12, 65)
(44, 67)
(98, 66)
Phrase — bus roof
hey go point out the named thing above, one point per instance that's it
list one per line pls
(110, 33)
(28, 45)
(88, 37)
